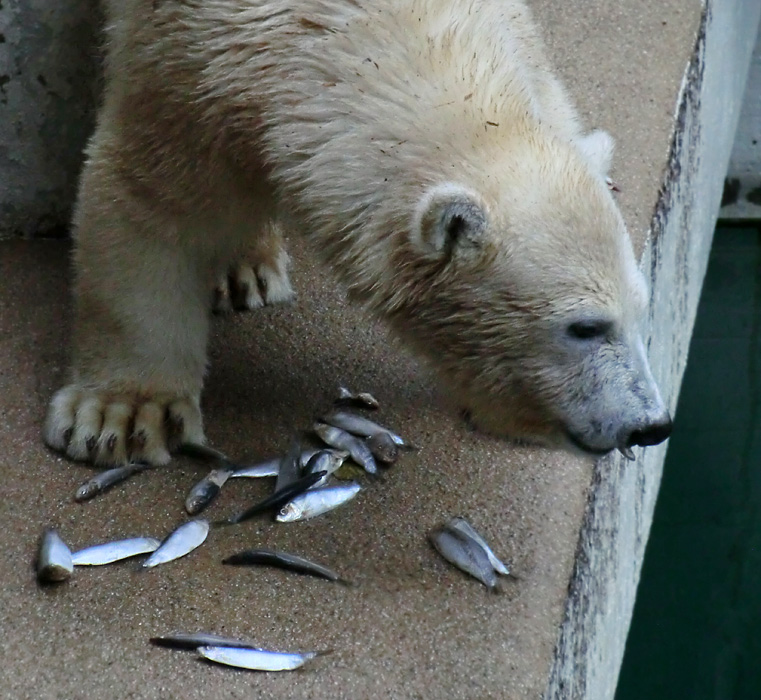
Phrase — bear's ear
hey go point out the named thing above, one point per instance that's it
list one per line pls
(448, 220)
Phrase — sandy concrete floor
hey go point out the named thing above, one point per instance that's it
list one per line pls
(413, 627)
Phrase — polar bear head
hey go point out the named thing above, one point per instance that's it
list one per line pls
(521, 286)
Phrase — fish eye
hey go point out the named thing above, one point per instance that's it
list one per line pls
(589, 329)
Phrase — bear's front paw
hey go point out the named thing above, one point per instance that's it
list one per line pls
(248, 287)
(108, 429)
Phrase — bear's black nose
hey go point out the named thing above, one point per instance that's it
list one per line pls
(652, 434)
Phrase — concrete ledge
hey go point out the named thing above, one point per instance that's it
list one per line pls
(622, 496)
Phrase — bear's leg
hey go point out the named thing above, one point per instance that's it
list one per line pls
(141, 318)
(258, 276)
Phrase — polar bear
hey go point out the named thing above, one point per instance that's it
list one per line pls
(428, 148)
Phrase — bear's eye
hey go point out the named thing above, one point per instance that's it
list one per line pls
(588, 330)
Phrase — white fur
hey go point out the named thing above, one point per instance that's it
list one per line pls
(344, 119)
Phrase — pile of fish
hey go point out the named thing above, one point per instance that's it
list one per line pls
(459, 543)
(56, 562)
(308, 483)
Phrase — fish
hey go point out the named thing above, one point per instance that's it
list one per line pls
(361, 426)
(315, 502)
(465, 554)
(289, 469)
(109, 552)
(255, 471)
(191, 642)
(269, 467)
(328, 461)
(461, 525)
(53, 558)
(277, 499)
(206, 490)
(256, 659)
(361, 399)
(383, 447)
(105, 480)
(342, 440)
(199, 451)
(283, 560)
(182, 541)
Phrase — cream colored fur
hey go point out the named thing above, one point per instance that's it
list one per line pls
(425, 144)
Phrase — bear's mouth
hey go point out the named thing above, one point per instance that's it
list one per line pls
(588, 449)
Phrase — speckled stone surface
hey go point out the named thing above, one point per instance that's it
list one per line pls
(413, 627)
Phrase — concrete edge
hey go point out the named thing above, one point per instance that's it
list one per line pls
(622, 495)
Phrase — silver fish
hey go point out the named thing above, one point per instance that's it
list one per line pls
(361, 399)
(290, 467)
(315, 502)
(191, 642)
(109, 552)
(269, 467)
(342, 440)
(256, 659)
(359, 425)
(383, 447)
(463, 526)
(53, 559)
(179, 543)
(282, 560)
(328, 461)
(465, 554)
(206, 490)
(107, 479)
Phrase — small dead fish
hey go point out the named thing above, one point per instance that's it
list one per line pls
(256, 659)
(198, 451)
(359, 425)
(289, 469)
(206, 490)
(53, 559)
(191, 642)
(179, 543)
(282, 560)
(463, 526)
(383, 447)
(315, 502)
(361, 399)
(269, 467)
(256, 471)
(109, 552)
(277, 499)
(328, 461)
(105, 480)
(465, 554)
(342, 440)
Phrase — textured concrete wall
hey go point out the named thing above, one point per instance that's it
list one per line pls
(48, 51)
(622, 498)
(742, 197)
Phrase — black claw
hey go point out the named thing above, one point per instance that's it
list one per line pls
(90, 443)
(67, 436)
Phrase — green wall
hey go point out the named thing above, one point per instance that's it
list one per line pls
(696, 632)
